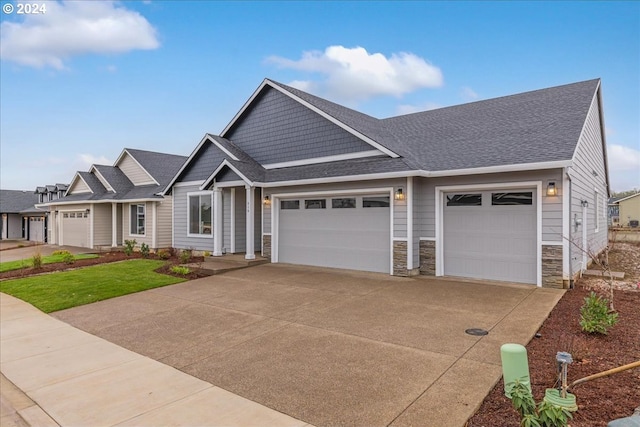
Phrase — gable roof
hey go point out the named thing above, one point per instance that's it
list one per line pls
(625, 198)
(161, 166)
(532, 130)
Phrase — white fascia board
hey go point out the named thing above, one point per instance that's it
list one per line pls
(99, 202)
(224, 163)
(499, 169)
(230, 184)
(627, 198)
(221, 147)
(188, 183)
(325, 159)
(186, 163)
(101, 177)
(153, 180)
(343, 178)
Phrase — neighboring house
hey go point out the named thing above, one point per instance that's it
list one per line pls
(614, 211)
(110, 204)
(629, 210)
(510, 189)
(20, 217)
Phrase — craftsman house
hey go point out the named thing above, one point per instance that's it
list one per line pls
(511, 189)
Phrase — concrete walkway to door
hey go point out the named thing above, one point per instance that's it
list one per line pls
(330, 347)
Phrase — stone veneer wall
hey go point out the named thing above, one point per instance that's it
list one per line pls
(428, 257)
(552, 266)
(266, 246)
(400, 258)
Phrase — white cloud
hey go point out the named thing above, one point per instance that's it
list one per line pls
(468, 95)
(72, 28)
(84, 161)
(354, 74)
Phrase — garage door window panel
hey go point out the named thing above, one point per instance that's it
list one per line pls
(506, 199)
(343, 203)
(137, 220)
(290, 204)
(200, 215)
(315, 204)
(376, 202)
(464, 200)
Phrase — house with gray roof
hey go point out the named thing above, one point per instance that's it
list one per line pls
(21, 219)
(511, 189)
(107, 205)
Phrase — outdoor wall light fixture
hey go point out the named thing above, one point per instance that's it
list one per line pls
(267, 201)
(551, 189)
(399, 195)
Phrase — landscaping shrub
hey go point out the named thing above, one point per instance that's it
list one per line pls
(61, 252)
(545, 415)
(68, 258)
(164, 254)
(185, 255)
(144, 250)
(36, 260)
(207, 253)
(129, 245)
(595, 316)
(180, 269)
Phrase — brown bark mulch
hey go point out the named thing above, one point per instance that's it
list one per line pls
(600, 400)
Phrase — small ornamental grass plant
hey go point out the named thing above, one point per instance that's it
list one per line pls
(180, 270)
(595, 316)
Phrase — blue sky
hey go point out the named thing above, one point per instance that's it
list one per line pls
(85, 79)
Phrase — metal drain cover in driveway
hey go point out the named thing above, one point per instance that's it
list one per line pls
(476, 331)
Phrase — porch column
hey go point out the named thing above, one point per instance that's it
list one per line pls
(217, 222)
(114, 225)
(250, 222)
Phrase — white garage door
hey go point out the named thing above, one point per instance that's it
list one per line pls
(36, 229)
(75, 229)
(350, 232)
(491, 235)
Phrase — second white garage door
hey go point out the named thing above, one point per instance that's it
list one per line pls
(75, 229)
(350, 232)
(491, 235)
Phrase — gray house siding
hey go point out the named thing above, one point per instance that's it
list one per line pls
(278, 129)
(588, 181)
(102, 225)
(147, 238)
(204, 163)
(226, 220)
(227, 175)
(180, 217)
(241, 219)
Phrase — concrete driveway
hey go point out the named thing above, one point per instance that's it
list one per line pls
(13, 250)
(330, 347)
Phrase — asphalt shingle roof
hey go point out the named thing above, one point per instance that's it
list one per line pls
(16, 201)
(161, 166)
(116, 178)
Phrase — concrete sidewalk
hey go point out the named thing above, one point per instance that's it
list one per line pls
(64, 377)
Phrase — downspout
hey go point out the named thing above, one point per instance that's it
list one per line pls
(571, 284)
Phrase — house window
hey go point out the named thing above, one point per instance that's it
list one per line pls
(464, 200)
(343, 203)
(315, 204)
(375, 202)
(200, 214)
(501, 199)
(290, 204)
(137, 220)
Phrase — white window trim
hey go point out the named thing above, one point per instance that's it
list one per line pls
(439, 199)
(131, 232)
(193, 194)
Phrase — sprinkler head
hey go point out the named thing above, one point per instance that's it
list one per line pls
(564, 357)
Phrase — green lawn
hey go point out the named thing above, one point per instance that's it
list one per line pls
(66, 289)
(28, 262)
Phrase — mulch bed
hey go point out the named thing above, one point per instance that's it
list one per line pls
(102, 259)
(600, 400)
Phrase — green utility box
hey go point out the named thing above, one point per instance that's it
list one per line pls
(515, 366)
